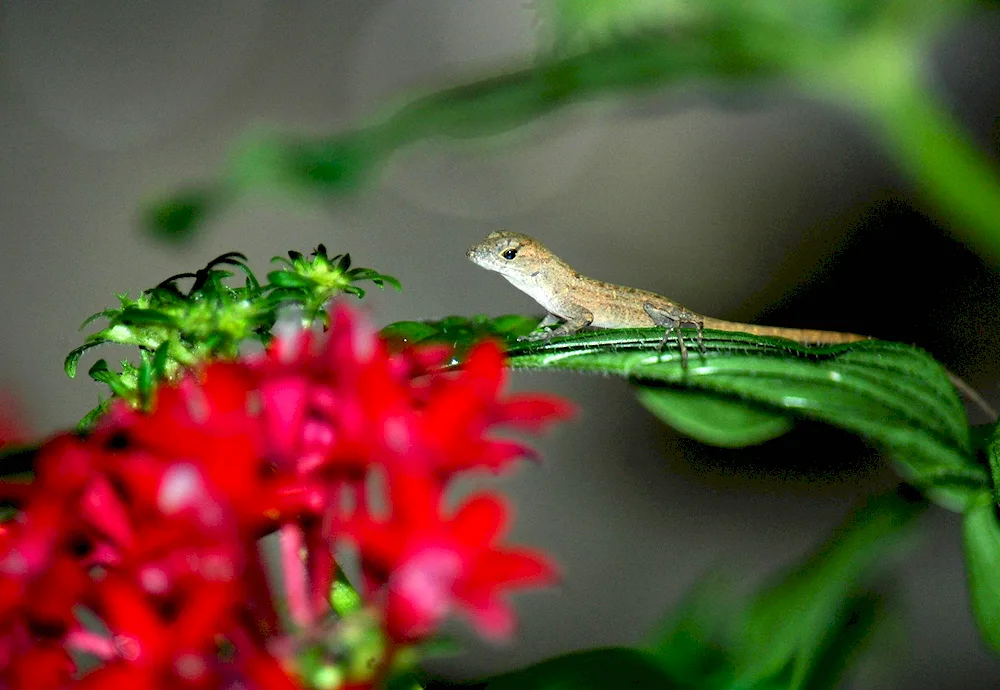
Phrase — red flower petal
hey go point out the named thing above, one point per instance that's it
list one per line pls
(483, 368)
(533, 412)
(479, 521)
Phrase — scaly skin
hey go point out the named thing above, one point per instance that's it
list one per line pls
(579, 301)
(574, 302)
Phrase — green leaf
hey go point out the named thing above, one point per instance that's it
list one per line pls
(927, 141)
(981, 534)
(136, 316)
(848, 637)
(146, 381)
(409, 679)
(599, 669)
(100, 372)
(893, 394)
(329, 165)
(513, 326)
(160, 359)
(288, 279)
(691, 643)
(91, 417)
(344, 598)
(981, 435)
(333, 165)
(867, 55)
(374, 276)
(175, 218)
(72, 360)
(716, 420)
(383, 278)
(461, 332)
(105, 314)
(992, 447)
(791, 626)
(409, 331)
(231, 258)
(116, 382)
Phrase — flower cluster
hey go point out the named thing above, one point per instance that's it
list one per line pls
(136, 551)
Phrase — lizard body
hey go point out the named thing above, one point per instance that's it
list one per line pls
(578, 301)
(574, 302)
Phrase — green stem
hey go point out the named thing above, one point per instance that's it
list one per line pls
(948, 168)
(884, 76)
(993, 453)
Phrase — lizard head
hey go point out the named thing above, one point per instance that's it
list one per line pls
(510, 254)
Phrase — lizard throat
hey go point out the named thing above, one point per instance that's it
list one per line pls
(536, 287)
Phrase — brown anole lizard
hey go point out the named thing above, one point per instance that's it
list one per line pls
(574, 302)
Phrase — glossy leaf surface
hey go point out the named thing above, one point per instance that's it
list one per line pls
(895, 395)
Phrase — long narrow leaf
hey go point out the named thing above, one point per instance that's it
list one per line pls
(893, 394)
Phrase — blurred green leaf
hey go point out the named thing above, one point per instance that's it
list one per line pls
(731, 423)
(409, 331)
(344, 598)
(691, 644)
(90, 419)
(178, 216)
(932, 149)
(849, 635)
(410, 679)
(867, 55)
(338, 164)
(460, 332)
(791, 628)
(991, 444)
(982, 435)
(598, 669)
(803, 632)
(982, 561)
(893, 394)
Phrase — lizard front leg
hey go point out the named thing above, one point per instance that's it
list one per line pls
(673, 318)
(576, 318)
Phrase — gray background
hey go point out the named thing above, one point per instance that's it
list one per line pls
(749, 205)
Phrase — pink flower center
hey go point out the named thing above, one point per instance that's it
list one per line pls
(425, 581)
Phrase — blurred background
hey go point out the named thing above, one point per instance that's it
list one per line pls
(756, 204)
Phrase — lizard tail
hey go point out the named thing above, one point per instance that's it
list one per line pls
(806, 336)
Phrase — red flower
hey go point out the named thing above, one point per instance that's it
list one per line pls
(424, 564)
(457, 410)
(201, 452)
(45, 556)
(151, 523)
(341, 409)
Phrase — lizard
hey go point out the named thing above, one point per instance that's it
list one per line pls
(574, 302)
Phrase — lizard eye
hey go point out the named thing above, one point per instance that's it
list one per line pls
(509, 254)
